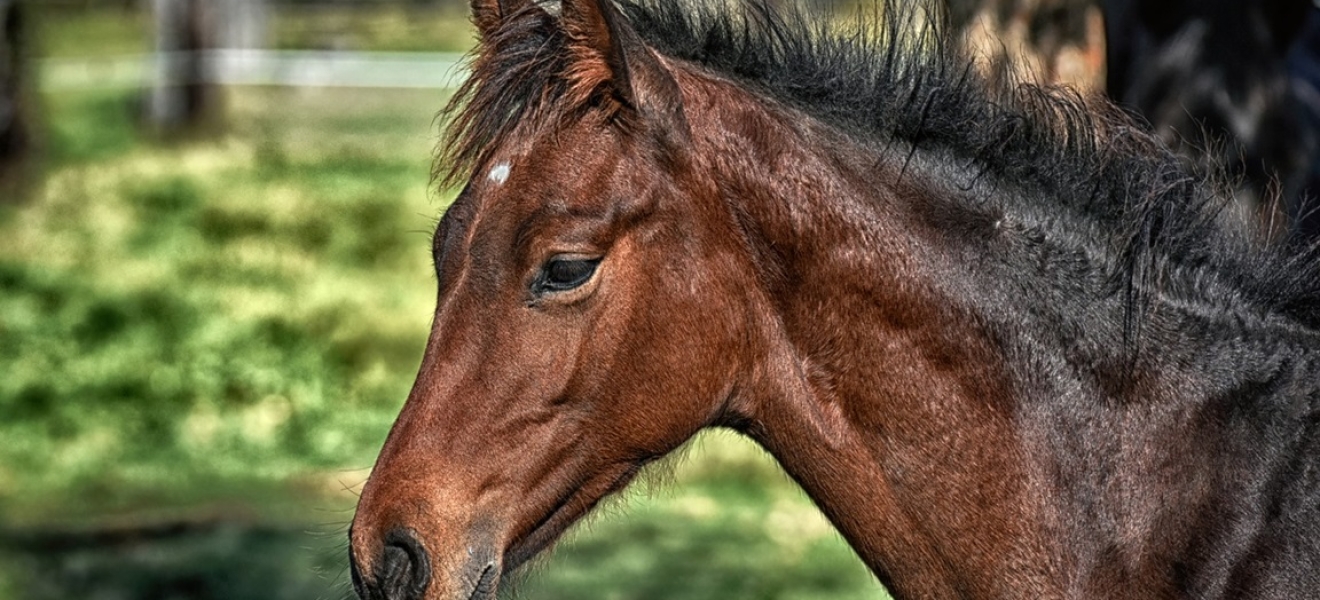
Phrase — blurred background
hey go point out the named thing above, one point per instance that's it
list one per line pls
(215, 288)
(215, 282)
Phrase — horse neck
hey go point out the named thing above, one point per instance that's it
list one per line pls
(875, 391)
(919, 395)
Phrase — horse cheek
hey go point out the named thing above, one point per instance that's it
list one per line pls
(679, 358)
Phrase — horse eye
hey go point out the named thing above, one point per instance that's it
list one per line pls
(563, 274)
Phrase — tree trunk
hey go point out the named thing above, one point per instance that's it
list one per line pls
(18, 147)
(185, 95)
(242, 23)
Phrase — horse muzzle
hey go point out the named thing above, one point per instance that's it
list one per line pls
(403, 570)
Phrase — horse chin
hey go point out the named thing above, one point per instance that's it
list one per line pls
(488, 581)
(568, 510)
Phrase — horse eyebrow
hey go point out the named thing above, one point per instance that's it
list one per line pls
(586, 225)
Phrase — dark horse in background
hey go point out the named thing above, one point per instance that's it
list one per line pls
(998, 334)
(1232, 83)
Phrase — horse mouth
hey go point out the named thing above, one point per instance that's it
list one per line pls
(487, 583)
(571, 506)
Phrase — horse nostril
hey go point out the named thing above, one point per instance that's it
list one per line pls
(404, 569)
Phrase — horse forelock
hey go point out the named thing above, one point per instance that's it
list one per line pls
(514, 85)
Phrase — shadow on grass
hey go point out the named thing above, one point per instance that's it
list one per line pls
(196, 561)
(655, 556)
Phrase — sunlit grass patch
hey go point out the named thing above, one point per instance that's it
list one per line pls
(180, 311)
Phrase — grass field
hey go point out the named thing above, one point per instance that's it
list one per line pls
(204, 344)
(64, 32)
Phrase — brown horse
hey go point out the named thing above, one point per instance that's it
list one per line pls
(1009, 348)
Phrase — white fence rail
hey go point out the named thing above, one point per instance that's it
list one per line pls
(266, 67)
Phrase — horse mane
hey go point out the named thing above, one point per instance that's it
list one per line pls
(899, 82)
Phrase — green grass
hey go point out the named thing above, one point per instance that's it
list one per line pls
(90, 126)
(392, 28)
(241, 311)
(64, 32)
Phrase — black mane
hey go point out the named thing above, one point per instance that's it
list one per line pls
(1083, 162)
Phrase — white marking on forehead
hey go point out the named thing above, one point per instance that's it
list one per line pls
(499, 173)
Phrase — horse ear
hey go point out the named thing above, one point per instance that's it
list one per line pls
(610, 59)
(488, 15)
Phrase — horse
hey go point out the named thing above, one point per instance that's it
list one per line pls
(1217, 79)
(999, 335)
